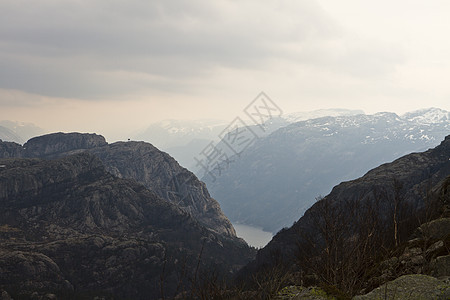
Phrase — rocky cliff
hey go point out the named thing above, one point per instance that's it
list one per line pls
(133, 160)
(10, 149)
(68, 228)
(51, 145)
(162, 174)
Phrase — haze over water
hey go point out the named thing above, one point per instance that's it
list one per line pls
(254, 236)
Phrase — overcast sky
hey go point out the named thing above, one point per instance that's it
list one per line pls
(113, 67)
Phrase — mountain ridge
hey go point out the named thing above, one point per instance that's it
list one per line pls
(415, 175)
(276, 179)
(68, 227)
(21, 131)
(140, 161)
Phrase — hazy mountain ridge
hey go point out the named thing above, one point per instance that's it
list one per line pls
(331, 112)
(428, 116)
(184, 140)
(173, 133)
(8, 135)
(273, 182)
(21, 131)
(71, 228)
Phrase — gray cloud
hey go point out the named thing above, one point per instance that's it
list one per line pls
(88, 49)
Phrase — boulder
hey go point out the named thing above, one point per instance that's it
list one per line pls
(410, 287)
(441, 266)
(434, 230)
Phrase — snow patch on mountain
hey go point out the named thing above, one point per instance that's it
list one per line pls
(307, 115)
(428, 116)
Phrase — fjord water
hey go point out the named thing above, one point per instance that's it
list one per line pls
(254, 236)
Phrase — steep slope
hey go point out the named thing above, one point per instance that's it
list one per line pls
(134, 160)
(273, 182)
(408, 182)
(70, 228)
(163, 175)
(10, 149)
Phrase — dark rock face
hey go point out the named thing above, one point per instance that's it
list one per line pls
(53, 144)
(426, 252)
(133, 160)
(10, 149)
(162, 174)
(414, 172)
(31, 271)
(68, 227)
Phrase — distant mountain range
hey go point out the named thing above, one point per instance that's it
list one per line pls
(184, 140)
(274, 181)
(314, 114)
(84, 219)
(174, 133)
(8, 135)
(18, 132)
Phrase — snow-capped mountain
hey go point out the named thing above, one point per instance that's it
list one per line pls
(274, 181)
(307, 115)
(279, 122)
(175, 133)
(183, 140)
(428, 116)
(8, 135)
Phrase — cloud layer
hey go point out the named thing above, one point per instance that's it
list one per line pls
(209, 58)
(90, 49)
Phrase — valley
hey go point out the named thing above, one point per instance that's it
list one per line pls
(224, 150)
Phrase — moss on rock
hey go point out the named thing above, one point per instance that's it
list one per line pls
(414, 287)
(298, 292)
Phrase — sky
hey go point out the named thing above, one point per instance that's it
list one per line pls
(114, 67)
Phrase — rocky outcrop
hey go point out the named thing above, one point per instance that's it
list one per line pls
(10, 149)
(426, 252)
(403, 274)
(30, 271)
(414, 287)
(4, 295)
(70, 228)
(162, 174)
(140, 161)
(51, 145)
